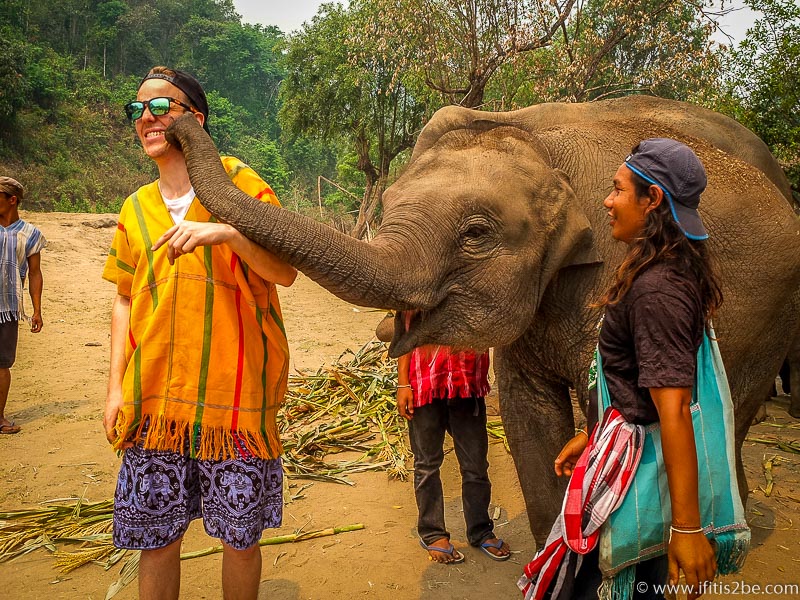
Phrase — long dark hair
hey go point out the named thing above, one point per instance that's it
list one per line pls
(662, 240)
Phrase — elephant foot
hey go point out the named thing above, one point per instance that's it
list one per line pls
(761, 414)
(794, 407)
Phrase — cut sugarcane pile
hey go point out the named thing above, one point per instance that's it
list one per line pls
(349, 407)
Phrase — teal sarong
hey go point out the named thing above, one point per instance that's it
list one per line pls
(639, 529)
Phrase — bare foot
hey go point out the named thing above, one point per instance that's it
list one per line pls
(442, 551)
(496, 548)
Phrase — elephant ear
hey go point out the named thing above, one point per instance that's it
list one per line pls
(573, 242)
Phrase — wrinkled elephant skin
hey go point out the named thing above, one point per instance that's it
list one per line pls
(497, 235)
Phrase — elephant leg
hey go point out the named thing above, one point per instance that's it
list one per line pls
(761, 414)
(538, 420)
(745, 416)
(793, 388)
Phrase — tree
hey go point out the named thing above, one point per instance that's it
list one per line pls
(343, 84)
(14, 87)
(457, 46)
(240, 62)
(501, 53)
(765, 82)
(105, 30)
(613, 47)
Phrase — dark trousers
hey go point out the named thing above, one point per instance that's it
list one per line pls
(465, 420)
(584, 584)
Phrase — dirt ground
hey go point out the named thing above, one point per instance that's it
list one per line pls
(57, 397)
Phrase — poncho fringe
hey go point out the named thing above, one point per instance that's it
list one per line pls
(155, 432)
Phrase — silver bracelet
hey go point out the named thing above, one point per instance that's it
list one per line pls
(680, 530)
(404, 386)
(583, 431)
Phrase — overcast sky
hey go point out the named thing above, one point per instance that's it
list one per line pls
(290, 15)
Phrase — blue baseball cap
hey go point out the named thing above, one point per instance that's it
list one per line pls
(675, 168)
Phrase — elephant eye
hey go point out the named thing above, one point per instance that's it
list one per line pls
(475, 231)
(477, 234)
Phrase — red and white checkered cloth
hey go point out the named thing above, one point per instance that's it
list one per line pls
(440, 372)
(599, 482)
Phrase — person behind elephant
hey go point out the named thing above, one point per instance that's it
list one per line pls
(443, 390)
(656, 311)
(199, 361)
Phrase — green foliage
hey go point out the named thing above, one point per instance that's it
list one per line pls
(764, 84)
(240, 63)
(615, 47)
(225, 124)
(346, 96)
(344, 84)
(321, 96)
(351, 179)
(264, 157)
(307, 159)
(68, 68)
(14, 88)
(47, 75)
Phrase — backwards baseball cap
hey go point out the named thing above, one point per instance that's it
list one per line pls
(189, 86)
(675, 168)
(12, 187)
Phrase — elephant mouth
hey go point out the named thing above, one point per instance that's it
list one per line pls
(411, 329)
(424, 327)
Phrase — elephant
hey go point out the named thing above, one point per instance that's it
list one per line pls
(496, 235)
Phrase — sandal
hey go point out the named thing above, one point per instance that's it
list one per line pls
(497, 546)
(451, 551)
(11, 427)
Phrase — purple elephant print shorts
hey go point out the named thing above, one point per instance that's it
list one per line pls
(159, 493)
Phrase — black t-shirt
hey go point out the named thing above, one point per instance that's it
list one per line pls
(650, 340)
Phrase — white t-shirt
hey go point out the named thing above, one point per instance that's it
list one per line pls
(178, 207)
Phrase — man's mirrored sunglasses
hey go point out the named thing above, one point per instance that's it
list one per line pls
(157, 107)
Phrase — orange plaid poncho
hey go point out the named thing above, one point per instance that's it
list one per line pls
(207, 357)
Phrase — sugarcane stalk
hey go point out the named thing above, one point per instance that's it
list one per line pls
(280, 539)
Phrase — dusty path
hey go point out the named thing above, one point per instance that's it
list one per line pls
(57, 397)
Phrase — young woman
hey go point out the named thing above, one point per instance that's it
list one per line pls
(656, 311)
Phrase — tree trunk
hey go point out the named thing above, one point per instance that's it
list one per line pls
(366, 222)
(372, 190)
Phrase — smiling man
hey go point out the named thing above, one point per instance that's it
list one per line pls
(199, 362)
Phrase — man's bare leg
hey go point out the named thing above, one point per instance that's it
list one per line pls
(241, 572)
(160, 573)
(5, 385)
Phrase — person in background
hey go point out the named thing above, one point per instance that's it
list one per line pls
(21, 246)
(442, 390)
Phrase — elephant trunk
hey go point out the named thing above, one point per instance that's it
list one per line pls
(368, 274)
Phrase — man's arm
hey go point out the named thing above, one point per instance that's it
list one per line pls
(120, 316)
(405, 396)
(35, 285)
(188, 235)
